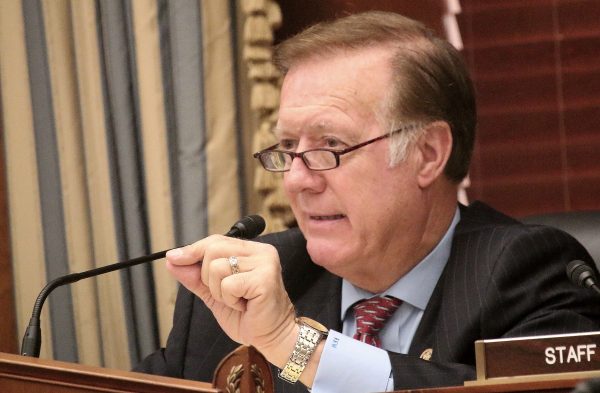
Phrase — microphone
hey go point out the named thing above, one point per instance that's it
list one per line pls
(248, 227)
(581, 274)
(589, 386)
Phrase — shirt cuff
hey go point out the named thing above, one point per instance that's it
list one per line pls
(348, 365)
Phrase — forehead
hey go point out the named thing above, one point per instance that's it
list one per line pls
(340, 90)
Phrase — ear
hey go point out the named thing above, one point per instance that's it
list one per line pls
(434, 147)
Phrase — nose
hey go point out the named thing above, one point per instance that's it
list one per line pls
(299, 178)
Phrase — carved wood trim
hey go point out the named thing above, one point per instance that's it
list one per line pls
(244, 370)
(262, 17)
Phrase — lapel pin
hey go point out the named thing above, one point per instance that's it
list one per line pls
(426, 355)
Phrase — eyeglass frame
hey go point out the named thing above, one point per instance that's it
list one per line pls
(336, 153)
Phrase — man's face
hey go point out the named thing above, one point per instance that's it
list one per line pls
(355, 217)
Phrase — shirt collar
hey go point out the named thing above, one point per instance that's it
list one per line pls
(416, 286)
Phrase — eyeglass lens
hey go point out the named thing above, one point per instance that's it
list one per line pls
(320, 159)
(314, 159)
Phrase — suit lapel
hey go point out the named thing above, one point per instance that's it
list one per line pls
(439, 327)
(426, 337)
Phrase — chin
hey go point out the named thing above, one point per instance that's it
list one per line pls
(327, 253)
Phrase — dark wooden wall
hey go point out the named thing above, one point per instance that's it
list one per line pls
(536, 65)
(536, 68)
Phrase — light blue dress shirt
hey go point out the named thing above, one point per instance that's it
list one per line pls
(348, 365)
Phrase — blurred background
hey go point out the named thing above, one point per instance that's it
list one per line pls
(127, 127)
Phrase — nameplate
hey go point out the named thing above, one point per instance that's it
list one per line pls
(521, 356)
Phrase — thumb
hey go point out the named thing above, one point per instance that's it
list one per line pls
(188, 275)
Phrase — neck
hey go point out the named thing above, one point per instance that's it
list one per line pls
(411, 248)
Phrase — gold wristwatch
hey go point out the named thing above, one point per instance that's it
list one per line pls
(311, 334)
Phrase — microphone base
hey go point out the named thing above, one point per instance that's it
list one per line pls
(31, 342)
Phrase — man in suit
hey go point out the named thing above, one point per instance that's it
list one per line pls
(376, 128)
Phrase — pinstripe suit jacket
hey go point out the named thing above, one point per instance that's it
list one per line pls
(503, 279)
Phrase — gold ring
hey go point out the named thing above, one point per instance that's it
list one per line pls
(233, 263)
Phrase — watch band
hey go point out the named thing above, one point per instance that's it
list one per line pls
(311, 334)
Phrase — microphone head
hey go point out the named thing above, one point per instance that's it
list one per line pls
(589, 386)
(248, 227)
(579, 272)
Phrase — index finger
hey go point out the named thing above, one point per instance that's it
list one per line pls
(214, 246)
(190, 254)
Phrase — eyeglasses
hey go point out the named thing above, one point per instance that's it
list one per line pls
(274, 160)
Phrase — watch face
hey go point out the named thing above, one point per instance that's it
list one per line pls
(314, 324)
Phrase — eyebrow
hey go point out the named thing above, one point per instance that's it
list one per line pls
(277, 131)
(318, 126)
(350, 139)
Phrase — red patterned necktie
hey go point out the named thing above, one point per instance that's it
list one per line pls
(371, 315)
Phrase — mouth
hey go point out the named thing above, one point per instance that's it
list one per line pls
(328, 218)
